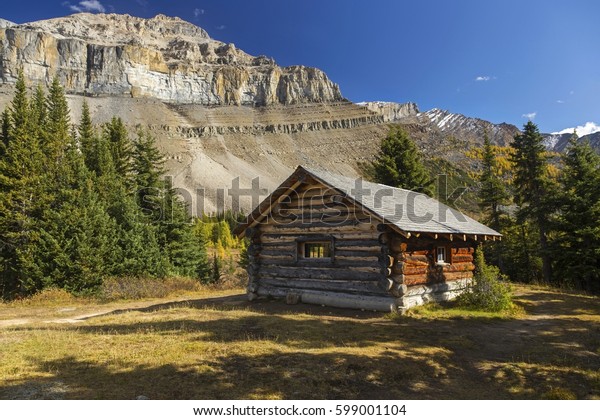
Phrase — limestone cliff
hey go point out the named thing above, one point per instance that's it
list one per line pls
(392, 111)
(163, 58)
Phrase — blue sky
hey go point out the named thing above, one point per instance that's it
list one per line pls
(503, 61)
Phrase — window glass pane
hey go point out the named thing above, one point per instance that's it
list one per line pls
(317, 250)
(441, 254)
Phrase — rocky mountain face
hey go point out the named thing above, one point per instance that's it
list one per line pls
(6, 24)
(222, 117)
(558, 142)
(164, 58)
(392, 111)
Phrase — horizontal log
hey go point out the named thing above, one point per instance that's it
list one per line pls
(458, 275)
(461, 258)
(279, 244)
(353, 253)
(362, 235)
(308, 202)
(278, 252)
(371, 265)
(459, 267)
(383, 303)
(359, 243)
(322, 217)
(436, 287)
(410, 270)
(463, 251)
(416, 252)
(336, 273)
(417, 264)
(347, 286)
(373, 249)
(416, 259)
(317, 227)
(413, 279)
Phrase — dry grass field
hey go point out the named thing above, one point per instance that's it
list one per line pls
(215, 345)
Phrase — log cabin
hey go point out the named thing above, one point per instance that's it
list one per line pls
(326, 239)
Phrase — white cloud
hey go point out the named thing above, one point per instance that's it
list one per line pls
(530, 116)
(87, 6)
(221, 27)
(483, 78)
(198, 12)
(582, 130)
(560, 101)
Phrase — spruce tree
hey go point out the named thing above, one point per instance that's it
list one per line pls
(148, 173)
(116, 134)
(492, 195)
(39, 110)
(578, 250)
(186, 251)
(22, 193)
(398, 164)
(87, 135)
(58, 127)
(533, 188)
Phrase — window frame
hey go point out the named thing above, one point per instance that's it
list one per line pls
(302, 241)
(447, 255)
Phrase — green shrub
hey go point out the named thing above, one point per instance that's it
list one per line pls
(490, 290)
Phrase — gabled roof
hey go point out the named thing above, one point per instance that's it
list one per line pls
(403, 210)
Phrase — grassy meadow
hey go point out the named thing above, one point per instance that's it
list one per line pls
(213, 344)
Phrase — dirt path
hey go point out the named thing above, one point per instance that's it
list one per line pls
(56, 315)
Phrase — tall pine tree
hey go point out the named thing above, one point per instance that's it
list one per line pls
(578, 242)
(492, 195)
(533, 188)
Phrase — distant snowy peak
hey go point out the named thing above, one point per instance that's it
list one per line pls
(461, 126)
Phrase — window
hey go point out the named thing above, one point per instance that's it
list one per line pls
(441, 255)
(317, 250)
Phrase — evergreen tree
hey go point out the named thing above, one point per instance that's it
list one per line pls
(116, 134)
(532, 188)
(186, 251)
(148, 173)
(5, 133)
(492, 195)
(87, 135)
(22, 189)
(578, 243)
(39, 111)
(216, 269)
(58, 127)
(398, 164)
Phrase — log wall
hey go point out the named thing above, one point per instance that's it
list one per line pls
(358, 268)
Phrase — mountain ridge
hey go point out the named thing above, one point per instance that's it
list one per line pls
(219, 114)
(163, 58)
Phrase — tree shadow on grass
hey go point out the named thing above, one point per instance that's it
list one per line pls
(335, 357)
